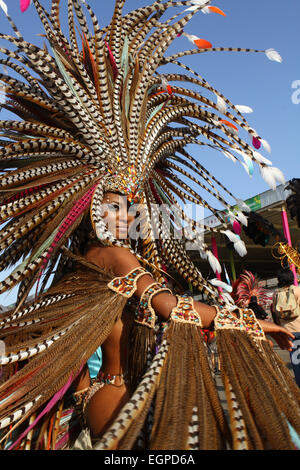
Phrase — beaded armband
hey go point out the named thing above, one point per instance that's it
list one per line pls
(127, 285)
(251, 324)
(145, 314)
(185, 312)
(246, 322)
(226, 320)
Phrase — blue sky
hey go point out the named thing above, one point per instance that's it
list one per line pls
(244, 78)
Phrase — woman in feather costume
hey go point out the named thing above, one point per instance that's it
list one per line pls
(97, 122)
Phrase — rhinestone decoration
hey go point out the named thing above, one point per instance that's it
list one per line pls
(145, 314)
(184, 312)
(251, 324)
(127, 183)
(226, 320)
(127, 285)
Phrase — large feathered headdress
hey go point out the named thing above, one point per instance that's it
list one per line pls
(248, 286)
(95, 106)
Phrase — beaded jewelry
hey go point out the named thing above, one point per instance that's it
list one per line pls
(145, 314)
(109, 379)
(252, 326)
(245, 322)
(127, 285)
(226, 320)
(185, 312)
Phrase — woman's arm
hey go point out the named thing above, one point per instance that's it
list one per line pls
(122, 261)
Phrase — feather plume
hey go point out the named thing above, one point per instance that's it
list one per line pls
(266, 145)
(273, 55)
(200, 43)
(223, 285)
(243, 109)
(271, 175)
(24, 4)
(4, 7)
(86, 110)
(261, 159)
(242, 205)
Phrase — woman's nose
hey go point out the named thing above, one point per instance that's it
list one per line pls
(122, 215)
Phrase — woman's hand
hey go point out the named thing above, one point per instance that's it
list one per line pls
(280, 334)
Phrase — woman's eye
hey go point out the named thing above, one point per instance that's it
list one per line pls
(113, 207)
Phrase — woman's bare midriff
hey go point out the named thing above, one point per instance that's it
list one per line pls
(106, 403)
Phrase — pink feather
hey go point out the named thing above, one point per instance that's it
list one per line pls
(236, 227)
(256, 143)
(24, 4)
(112, 61)
(58, 395)
(76, 211)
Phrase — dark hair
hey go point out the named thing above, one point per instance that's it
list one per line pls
(260, 313)
(285, 277)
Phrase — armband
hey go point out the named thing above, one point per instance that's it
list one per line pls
(145, 314)
(245, 321)
(127, 285)
(185, 312)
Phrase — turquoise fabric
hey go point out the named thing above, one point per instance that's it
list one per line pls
(294, 436)
(94, 363)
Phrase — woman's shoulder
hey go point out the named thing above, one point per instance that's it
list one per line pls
(119, 259)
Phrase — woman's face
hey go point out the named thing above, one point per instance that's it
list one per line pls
(116, 215)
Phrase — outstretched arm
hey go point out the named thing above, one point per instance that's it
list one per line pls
(122, 261)
(280, 334)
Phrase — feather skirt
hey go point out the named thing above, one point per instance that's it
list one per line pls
(174, 403)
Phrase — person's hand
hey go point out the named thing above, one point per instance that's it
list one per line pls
(280, 334)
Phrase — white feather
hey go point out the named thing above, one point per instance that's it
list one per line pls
(243, 109)
(272, 174)
(242, 218)
(206, 10)
(273, 55)
(230, 156)
(243, 206)
(238, 244)
(190, 37)
(240, 248)
(267, 175)
(191, 8)
(221, 105)
(232, 217)
(223, 285)
(278, 175)
(210, 290)
(258, 156)
(213, 261)
(246, 168)
(266, 145)
(4, 7)
(200, 2)
(202, 254)
(231, 130)
(229, 300)
(232, 236)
